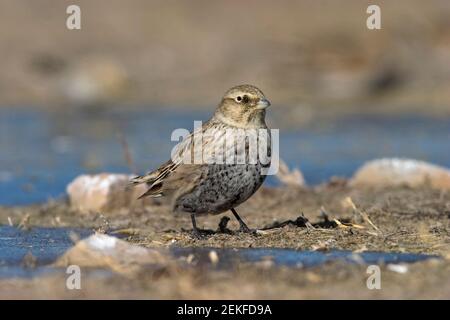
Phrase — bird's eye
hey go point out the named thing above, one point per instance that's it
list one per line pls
(238, 98)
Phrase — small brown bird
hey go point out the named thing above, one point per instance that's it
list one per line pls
(222, 163)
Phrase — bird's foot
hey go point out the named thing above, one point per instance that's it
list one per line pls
(198, 234)
(242, 226)
(244, 229)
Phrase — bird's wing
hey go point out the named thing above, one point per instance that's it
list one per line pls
(181, 163)
(154, 179)
(184, 179)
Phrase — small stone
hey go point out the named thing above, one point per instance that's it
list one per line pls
(103, 192)
(103, 251)
(289, 177)
(190, 258)
(401, 172)
(213, 257)
(399, 268)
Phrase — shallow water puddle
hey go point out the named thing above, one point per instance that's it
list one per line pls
(65, 145)
(43, 244)
(47, 244)
(294, 258)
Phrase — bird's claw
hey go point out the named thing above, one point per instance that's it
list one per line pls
(197, 234)
(245, 229)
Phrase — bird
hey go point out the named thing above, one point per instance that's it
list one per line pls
(220, 164)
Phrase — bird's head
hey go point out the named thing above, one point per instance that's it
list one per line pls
(243, 106)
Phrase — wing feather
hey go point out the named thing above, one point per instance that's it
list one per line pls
(156, 179)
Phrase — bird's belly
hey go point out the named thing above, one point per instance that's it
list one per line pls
(224, 187)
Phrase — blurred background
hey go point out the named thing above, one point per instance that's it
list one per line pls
(72, 101)
(179, 53)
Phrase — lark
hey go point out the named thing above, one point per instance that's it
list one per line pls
(220, 164)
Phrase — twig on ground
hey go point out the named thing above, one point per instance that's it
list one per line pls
(301, 222)
(349, 202)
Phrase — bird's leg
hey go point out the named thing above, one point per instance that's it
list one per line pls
(243, 226)
(195, 231)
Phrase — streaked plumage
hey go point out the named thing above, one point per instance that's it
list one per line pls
(210, 186)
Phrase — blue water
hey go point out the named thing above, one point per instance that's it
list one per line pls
(41, 152)
(43, 243)
(296, 258)
(47, 244)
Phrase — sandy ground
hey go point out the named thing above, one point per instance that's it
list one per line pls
(397, 220)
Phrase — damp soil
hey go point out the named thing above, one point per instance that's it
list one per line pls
(325, 218)
(402, 220)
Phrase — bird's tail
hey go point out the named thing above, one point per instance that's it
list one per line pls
(139, 180)
(149, 179)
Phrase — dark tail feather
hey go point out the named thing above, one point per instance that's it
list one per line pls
(155, 191)
(138, 180)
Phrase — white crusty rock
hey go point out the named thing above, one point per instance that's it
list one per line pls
(398, 172)
(103, 192)
(289, 177)
(103, 251)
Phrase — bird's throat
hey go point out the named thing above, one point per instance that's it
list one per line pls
(246, 120)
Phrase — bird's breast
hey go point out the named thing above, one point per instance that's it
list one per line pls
(230, 145)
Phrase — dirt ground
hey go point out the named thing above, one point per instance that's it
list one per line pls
(390, 220)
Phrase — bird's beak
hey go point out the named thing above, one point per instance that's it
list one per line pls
(262, 104)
